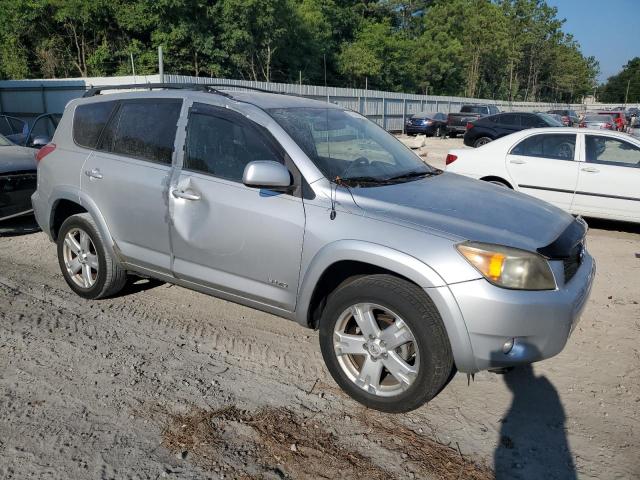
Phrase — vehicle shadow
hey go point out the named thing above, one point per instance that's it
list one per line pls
(137, 284)
(18, 226)
(533, 441)
(613, 225)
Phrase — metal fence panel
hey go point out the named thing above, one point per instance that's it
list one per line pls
(28, 98)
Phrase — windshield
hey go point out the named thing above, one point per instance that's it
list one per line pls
(346, 146)
(551, 121)
(4, 142)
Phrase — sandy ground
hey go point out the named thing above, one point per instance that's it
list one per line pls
(166, 382)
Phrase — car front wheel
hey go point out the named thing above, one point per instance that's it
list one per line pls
(481, 141)
(384, 343)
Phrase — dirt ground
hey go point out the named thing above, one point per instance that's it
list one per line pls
(163, 382)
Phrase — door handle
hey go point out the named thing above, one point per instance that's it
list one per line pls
(517, 162)
(590, 169)
(95, 173)
(185, 194)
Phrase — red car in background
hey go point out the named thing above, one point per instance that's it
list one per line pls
(618, 116)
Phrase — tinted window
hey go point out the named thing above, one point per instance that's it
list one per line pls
(89, 121)
(145, 129)
(493, 110)
(510, 119)
(45, 126)
(18, 126)
(531, 121)
(223, 144)
(5, 128)
(560, 147)
(473, 109)
(607, 150)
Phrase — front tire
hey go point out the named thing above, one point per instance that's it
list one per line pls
(87, 266)
(385, 344)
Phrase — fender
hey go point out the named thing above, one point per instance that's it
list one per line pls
(74, 194)
(402, 264)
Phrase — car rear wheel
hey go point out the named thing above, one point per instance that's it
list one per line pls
(452, 134)
(481, 141)
(384, 343)
(87, 266)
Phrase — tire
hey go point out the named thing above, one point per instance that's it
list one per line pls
(481, 141)
(105, 276)
(423, 357)
(453, 134)
(499, 183)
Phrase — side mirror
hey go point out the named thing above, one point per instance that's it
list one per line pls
(266, 174)
(39, 141)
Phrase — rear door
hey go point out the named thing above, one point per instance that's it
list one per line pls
(243, 241)
(543, 165)
(127, 176)
(609, 178)
(506, 124)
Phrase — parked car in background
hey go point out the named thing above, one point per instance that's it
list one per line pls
(598, 121)
(594, 173)
(632, 112)
(457, 122)
(13, 128)
(17, 179)
(314, 213)
(427, 123)
(619, 118)
(487, 129)
(569, 118)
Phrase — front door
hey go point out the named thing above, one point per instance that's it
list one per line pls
(243, 241)
(543, 165)
(127, 176)
(609, 179)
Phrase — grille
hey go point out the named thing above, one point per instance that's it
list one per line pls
(572, 262)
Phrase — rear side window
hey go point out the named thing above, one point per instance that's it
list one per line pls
(144, 129)
(554, 146)
(509, 119)
(89, 121)
(493, 110)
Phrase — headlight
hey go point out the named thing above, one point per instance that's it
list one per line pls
(509, 267)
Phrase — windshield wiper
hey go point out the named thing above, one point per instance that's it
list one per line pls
(408, 175)
(362, 179)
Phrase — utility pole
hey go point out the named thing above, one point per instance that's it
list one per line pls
(160, 64)
(133, 67)
(626, 95)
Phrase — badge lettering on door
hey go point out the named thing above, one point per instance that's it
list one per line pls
(278, 283)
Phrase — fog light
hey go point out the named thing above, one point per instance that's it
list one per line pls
(508, 345)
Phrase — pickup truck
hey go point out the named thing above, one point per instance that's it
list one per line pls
(457, 122)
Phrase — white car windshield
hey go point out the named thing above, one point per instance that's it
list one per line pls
(345, 146)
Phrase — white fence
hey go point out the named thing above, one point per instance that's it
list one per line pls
(28, 98)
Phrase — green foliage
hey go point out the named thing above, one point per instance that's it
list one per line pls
(623, 86)
(508, 49)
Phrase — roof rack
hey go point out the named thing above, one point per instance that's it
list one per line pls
(201, 87)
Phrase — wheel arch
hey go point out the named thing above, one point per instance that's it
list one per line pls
(496, 178)
(349, 259)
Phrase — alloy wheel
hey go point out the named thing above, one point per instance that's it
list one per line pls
(80, 258)
(376, 349)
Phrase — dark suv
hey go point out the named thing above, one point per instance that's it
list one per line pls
(487, 129)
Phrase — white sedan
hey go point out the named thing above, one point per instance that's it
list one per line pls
(586, 172)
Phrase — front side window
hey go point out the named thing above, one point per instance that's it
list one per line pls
(89, 121)
(509, 119)
(553, 146)
(222, 144)
(345, 145)
(611, 151)
(144, 129)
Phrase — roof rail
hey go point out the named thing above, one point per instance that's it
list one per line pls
(146, 86)
(201, 87)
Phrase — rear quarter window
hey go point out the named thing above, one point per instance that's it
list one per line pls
(89, 121)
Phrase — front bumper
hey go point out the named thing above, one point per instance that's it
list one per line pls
(540, 322)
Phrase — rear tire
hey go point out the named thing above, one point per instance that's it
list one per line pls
(87, 266)
(481, 141)
(453, 134)
(406, 361)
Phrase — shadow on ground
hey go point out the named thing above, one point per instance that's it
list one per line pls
(533, 439)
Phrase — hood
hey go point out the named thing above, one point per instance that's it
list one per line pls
(468, 209)
(14, 159)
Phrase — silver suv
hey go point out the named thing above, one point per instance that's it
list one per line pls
(313, 213)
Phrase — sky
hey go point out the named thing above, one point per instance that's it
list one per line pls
(607, 29)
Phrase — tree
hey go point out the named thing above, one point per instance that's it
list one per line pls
(628, 80)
